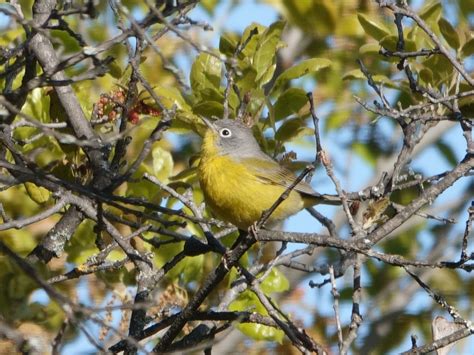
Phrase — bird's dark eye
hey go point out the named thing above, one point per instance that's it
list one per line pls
(225, 133)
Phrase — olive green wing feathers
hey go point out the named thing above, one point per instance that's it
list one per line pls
(270, 172)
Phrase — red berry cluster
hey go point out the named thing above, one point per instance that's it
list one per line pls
(141, 108)
(112, 105)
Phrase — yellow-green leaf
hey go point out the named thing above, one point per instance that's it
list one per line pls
(306, 66)
(140, 188)
(369, 48)
(426, 75)
(373, 28)
(439, 65)
(291, 129)
(468, 48)
(267, 75)
(227, 44)
(431, 11)
(37, 193)
(162, 163)
(449, 33)
(209, 108)
(246, 81)
(168, 95)
(205, 73)
(447, 152)
(290, 102)
(209, 5)
(366, 152)
(466, 6)
(336, 119)
(266, 48)
(115, 70)
(255, 30)
(248, 301)
(390, 43)
(37, 105)
(276, 281)
(261, 332)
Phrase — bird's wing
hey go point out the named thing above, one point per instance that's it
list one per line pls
(270, 172)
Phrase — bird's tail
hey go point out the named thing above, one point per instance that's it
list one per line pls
(321, 199)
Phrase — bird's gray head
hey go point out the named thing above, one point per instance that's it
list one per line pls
(231, 137)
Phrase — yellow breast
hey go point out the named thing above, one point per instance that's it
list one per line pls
(237, 196)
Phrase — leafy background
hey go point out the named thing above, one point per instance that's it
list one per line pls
(318, 43)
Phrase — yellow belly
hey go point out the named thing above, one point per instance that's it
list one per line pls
(238, 197)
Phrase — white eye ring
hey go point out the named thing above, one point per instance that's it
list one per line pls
(225, 133)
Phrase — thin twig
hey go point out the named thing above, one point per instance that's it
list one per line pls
(335, 296)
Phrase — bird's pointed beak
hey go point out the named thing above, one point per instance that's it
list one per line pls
(209, 124)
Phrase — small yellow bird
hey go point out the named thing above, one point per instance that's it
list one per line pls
(240, 181)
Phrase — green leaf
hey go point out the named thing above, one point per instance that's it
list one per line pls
(373, 28)
(37, 105)
(193, 269)
(205, 73)
(209, 5)
(186, 120)
(252, 44)
(209, 108)
(169, 96)
(140, 188)
(115, 70)
(246, 81)
(13, 34)
(366, 152)
(211, 94)
(406, 243)
(378, 79)
(23, 133)
(306, 66)
(390, 43)
(68, 43)
(447, 152)
(291, 129)
(267, 75)
(228, 43)
(431, 11)
(426, 75)
(337, 118)
(234, 101)
(290, 102)
(188, 175)
(257, 100)
(164, 253)
(325, 12)
(440, 66)
(116, 255)
(82, 244)
(266, 48)
(261, 332)
(37, 193)
(317, 17)
(276, 281)
(162, 163)
(468, 48)
(466, 6)
(449, 33)
(369, 48)
(248, 301)
(21, 241)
